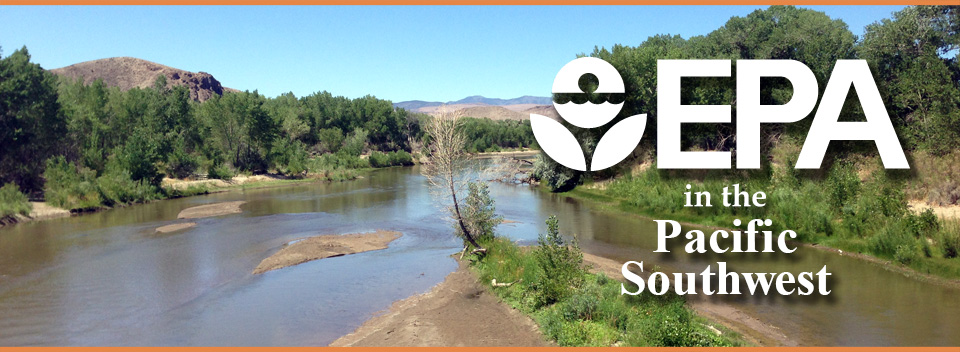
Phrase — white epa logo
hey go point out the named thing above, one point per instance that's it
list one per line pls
(621, 139)
(561, 145)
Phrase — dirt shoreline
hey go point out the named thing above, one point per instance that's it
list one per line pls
(460, 311)
(44, 211)
(434, 318)
(326, 246)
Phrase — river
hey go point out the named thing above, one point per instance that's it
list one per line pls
(109, 279)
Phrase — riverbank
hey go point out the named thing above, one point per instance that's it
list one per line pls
(179, 188)
(415, 321)
(598, 197)
(459, 311)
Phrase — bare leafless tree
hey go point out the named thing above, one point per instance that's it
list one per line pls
(448, 166)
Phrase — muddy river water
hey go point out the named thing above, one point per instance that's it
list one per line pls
(109, 279)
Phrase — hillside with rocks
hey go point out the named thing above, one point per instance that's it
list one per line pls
(128, 72)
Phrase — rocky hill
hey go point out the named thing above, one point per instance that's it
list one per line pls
(129, 72)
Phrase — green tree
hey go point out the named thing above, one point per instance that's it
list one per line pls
(31, 124)
(331, 139)
(914, 56)
(240, 128)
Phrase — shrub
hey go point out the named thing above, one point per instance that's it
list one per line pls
(355, 143)
(580, 306)
(117, 187)
(379, 159)
(478, 211)
(220, 171)
(71, 187)
(950, 239)
(843, 184)
(554, 176)
(338, 161)
(181, 164)
(592, 313)
(905, 253)
(12, 201)
(562, 266)
(290, 157)
(400, 157)
(924, 223)
(140, 156)
(670, 326)
(330, 139)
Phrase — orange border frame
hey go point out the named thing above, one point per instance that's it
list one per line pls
(479, 2)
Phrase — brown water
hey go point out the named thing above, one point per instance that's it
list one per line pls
(109, 279)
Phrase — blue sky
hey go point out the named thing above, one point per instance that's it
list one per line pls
(436, 53)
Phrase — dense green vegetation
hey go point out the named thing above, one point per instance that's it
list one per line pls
(577, 308)
(91, 146)
(573, 306)
(837, 207)
(913, 57)
(486, 135)
(852, 203)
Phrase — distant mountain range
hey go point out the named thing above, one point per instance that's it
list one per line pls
(477, 100)
(483, 107)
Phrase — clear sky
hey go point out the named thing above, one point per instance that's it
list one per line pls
(429, 53)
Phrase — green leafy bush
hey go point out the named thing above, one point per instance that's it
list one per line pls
(331, 139)
(12, 201)
(555, 176)
(220, 172)
(950, 239)
(117, 187)
(290, 157)
(843, 184)
(592, 312)
(479, 212)
(379, 159)
(180, 163)
(338, 161)
(561, 264)
(70, 187)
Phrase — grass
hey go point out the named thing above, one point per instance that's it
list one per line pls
(575, 307)
(13, 202)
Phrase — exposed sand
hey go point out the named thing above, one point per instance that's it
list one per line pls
(39, 211)
(176, 227)
(943, 212)
(325, 246)
(208, 210)
(754, 330)
(437, 318)
(179, 184)
(460, 311)
(43, 211)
